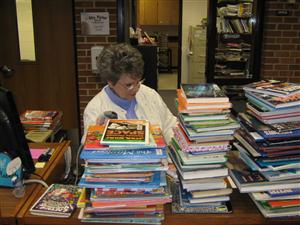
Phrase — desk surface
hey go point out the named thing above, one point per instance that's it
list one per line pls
(244, 213)
(11, 206)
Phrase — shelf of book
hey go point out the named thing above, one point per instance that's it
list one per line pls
(234, 43)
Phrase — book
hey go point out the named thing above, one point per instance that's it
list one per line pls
(59, 200)
(253, 181)
(272, 113)
(39, 114)
(274, 102)
(273, 87)
(210, 193)
(181, 205)
(192, 146)
(268, 212)
(284, 192)
(95, 132)
(124, 154)
(126, 132)
(158, 180)
(195, 93)
(38, 136)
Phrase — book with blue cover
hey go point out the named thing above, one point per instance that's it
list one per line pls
(124, 154)
(158, 180)
(196, 93)
(273, 102)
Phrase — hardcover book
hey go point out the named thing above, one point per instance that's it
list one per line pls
(126, 132)
(59, 200)
(196, 93)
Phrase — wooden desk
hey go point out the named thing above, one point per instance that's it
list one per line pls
(244, 213)
(52, 172)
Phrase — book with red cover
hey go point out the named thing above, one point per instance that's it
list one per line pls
(284, 203)
(95, 132)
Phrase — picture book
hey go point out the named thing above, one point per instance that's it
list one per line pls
(158, 180)
(273, 87)
(275, 102)
(195, 93)
(192, 146)
(39, 114)
(249, 181)
(95, 132)
(59, 200)
(283, 212)
(181, 205)
(284, 192)
(124, 154)
(271, 113)
(126, 132)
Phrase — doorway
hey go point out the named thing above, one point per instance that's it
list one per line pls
(190, 13)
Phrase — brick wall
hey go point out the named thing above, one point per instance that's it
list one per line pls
(281, 44)
(88, 83)
(280, 55)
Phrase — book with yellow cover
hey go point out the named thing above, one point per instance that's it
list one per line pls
(126, 132)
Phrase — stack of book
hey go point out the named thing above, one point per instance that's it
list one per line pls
(269, 146)
(39, 125)
(199, 150)
(125, 173)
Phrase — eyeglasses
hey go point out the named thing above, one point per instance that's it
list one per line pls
(130, 87)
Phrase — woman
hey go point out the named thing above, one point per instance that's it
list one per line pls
(122, 66)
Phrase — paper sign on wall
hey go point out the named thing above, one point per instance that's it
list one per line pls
(95, 23)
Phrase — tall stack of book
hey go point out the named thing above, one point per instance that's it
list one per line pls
(199, 150)
(269, 146)
(125, 173)
(39, 125)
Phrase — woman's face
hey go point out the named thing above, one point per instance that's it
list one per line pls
(126, 87)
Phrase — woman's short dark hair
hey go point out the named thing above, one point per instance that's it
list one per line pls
(118, 59)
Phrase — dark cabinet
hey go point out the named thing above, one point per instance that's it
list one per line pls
(149, 53)
(234, 35)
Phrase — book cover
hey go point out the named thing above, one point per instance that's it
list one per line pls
(194, 93)
(59, 200)
(126, 132)
(273, 87)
